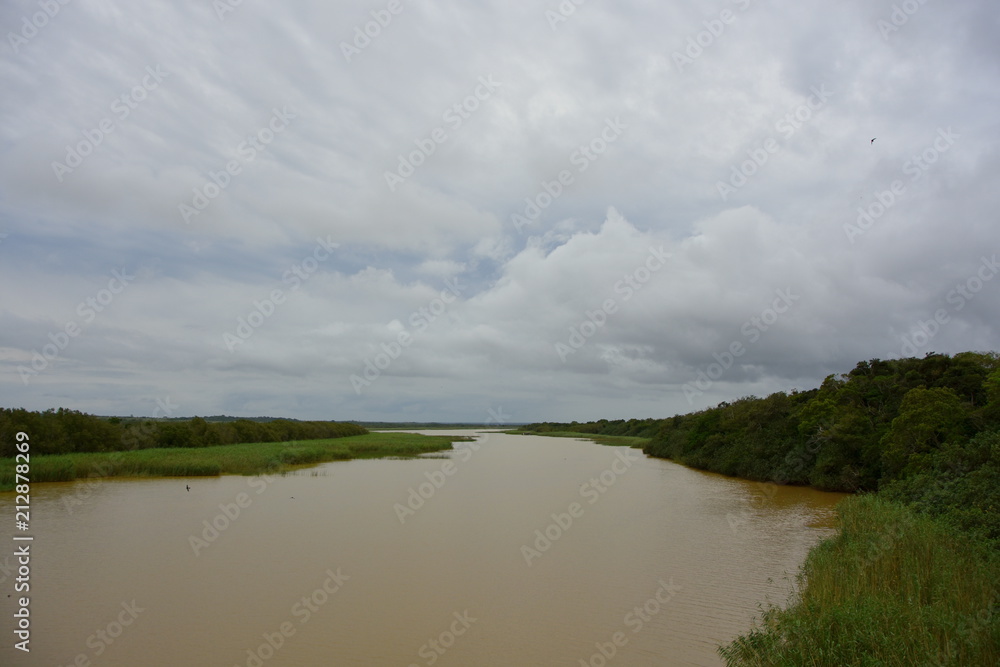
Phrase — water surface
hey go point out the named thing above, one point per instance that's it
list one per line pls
(645, 561)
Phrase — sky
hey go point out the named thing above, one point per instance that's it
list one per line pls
(473, 211)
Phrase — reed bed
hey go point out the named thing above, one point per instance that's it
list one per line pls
(244, 459)
(893, 588)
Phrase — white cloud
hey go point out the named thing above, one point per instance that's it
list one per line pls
(522, 291)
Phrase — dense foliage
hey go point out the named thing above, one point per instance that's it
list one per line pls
(882, 421)
(68, 431)
(638, 428)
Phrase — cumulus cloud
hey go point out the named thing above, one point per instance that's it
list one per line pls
(636, 211)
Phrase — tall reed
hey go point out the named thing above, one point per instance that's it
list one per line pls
(893, 588)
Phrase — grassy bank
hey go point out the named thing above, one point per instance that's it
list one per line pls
(243, 459)
(65, 431)
(893, 588)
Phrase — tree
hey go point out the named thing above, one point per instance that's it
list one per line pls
(928, 418)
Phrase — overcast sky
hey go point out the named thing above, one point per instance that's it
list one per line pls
(562, 211)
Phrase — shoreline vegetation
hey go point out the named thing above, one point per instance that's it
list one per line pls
(635, 442)
(913, 575)
(234, 459)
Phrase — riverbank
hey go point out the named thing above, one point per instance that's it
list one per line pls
(240, 459)
(912, 578)
(893, 588)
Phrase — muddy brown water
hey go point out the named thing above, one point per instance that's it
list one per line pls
(512, 551)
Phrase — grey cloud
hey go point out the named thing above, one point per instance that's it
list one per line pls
(792, 224)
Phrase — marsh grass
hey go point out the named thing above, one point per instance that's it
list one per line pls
(245, 459)
(893, 588)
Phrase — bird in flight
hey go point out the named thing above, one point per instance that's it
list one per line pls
(872, 141)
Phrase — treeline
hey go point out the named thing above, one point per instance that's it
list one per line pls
(67, 431)
(422, 425)
(224, 418)
(923, 431)
(638, 428)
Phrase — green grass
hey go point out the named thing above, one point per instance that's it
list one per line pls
(612, 440)
(893, 588)
(245, 459)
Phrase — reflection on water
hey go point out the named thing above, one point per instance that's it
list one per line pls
(514, 550)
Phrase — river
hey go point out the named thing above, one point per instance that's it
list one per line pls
(509, 551)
